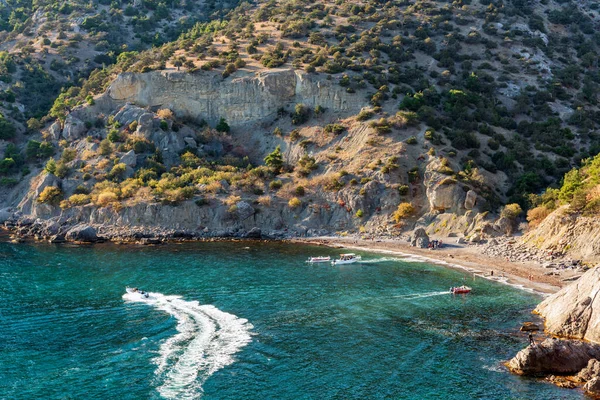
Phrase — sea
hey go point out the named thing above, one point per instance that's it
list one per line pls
(253, 320)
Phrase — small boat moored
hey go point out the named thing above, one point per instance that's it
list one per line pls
(460, 289)
(314, 260)
(348, 258)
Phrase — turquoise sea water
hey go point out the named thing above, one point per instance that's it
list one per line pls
(252, 321)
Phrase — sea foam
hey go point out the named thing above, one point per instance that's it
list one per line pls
(206, 341)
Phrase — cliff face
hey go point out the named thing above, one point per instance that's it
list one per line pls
(240, 100)
(574, 311)
(569, 233)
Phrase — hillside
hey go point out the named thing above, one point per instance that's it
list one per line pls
(388, 116)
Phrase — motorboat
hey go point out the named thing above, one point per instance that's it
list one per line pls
(348, 258)
(314, 260)
(135, 290)
(460, 290)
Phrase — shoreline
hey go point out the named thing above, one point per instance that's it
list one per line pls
(464, 257)
(469, 258)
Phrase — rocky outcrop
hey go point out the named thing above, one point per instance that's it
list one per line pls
(205, 95)
(574, 311)
(554, 356)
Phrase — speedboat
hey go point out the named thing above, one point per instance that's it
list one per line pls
(460, 290)
(314, 260)
(136, 291)
(348, 258)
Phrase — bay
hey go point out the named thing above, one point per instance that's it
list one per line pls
(252, 320)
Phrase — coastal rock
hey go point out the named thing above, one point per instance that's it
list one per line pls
(82, 233)
(5, 216)
(254, 233)
(420, 238)
(592, 370)
(592, 387)
(529, 327)
(574, 311)
(554, 356)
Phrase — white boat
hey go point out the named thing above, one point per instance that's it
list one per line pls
(136, 291)
(314, 260)
(348, 258)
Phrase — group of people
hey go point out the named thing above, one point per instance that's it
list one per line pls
(434, 244)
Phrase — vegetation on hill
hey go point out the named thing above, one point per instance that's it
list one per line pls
(499, 85)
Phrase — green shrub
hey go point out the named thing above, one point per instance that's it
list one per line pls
(50, 195)
(403, 190)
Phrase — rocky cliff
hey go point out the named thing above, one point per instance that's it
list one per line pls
(566, 232)
(241, 100)
(574, 311)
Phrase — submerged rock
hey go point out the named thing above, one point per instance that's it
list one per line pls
(529, 327)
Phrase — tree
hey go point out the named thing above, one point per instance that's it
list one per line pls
(7, 129)
(275, 160)
(222, 126)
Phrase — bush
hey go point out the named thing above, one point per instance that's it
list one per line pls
(300, 191)
(359, 214)
(106, 198)
(511, 211)
(411, 140)
(335, 128)
(222, 126)
(294, 202)
(276, 184)
(79, 199)
(536, 215)
(403, 211)
(403, 190)
(50, 195)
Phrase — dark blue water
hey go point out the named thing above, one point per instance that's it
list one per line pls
(253, 322)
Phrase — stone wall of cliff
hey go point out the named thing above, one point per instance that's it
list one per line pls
(241, 100)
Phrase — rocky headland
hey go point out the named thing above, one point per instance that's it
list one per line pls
(570, 356)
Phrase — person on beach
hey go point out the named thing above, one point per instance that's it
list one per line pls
(531, 341)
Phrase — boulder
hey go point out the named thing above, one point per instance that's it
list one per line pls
(504, 226)
(244, 210)
(129, 158)
(54, 130)
(445, 196)
(190, 142)
(254, 233)
(74, 128)
(592, 387)
(420, 238)
(529, 327)
(5, 215)
(470, 199)
(82, 233)
(554, 356)
(592, 370)
(129, 113)
(145, 124)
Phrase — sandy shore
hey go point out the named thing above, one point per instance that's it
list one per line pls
(467, 257)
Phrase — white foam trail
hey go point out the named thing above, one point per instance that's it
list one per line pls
(421, 295)
(206, 341)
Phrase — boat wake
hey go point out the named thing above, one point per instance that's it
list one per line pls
(206, 341)
(421, 295)
(381, 259)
